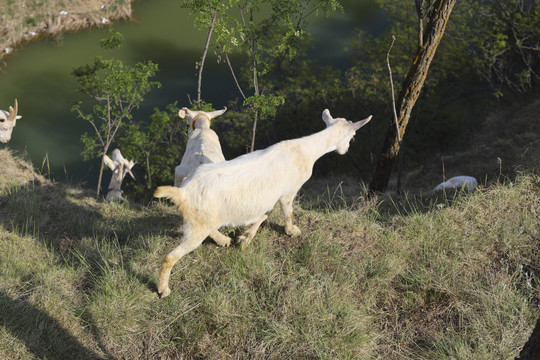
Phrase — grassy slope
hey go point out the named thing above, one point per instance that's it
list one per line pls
(19, 20)
(77, 278)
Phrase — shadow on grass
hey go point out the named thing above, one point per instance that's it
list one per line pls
(41, 333)
(73, 225)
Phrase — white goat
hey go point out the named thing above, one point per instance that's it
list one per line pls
(120, 168)
(242, 191)
(7, 122)
(203, 144)
(457, 182)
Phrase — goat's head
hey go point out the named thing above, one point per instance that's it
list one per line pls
(345, 130)
(7, 122)
(200, 119)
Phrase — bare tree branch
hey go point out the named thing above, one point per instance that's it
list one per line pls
(234, 75)
(203, 58)
(392, 88)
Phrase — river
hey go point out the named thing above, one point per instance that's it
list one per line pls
(39, 75)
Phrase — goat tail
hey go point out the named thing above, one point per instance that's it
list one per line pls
(176, 195)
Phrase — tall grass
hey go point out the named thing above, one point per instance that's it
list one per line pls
(459, 281)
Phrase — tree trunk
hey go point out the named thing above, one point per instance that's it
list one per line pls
(531, 349)
(100, 177)
(410, 92)
(254, 131)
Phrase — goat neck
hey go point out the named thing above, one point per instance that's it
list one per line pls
(322, 142)
(201, 121)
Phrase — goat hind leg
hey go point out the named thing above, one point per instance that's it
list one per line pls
(286, 207)
(249, 234)
(190, 242)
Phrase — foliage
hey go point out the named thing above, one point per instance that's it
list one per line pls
(268, 34)
(446, 116)
(114, 90)
(507, 43)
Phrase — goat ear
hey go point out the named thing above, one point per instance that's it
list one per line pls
(327, 118)
(107, 161)
(357, 125)
(213, 114)
(182, 113)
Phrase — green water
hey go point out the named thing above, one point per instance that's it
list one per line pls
(39, 75)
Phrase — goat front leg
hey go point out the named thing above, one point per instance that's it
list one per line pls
(190, 241)
(249, 234)
(286, 207)
(220, 239)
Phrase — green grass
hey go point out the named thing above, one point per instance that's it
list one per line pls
(451, 281)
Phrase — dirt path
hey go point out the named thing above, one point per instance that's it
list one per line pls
(26, 20)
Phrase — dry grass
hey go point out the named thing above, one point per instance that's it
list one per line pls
(16, 171)
(458, 280)
(26, 20)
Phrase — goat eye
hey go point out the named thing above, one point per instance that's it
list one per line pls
(2, 120)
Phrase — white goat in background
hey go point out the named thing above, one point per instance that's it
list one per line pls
(242, 191)
(203, 144)
(467, 183)
(120, 167)
(8, 121)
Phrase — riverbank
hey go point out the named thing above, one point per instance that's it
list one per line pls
(24, 21)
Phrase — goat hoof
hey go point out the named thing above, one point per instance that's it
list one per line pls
(293, 231)
(243, 241)
(164, 293)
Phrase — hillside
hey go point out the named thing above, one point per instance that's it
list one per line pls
(455, 280)
(24, 21)
(508, 141)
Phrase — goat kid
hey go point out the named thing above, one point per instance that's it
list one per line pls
(203, 145)
(7, 122)
(243, 190)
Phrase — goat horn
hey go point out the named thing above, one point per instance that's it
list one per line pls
(13, 112)
(130, 173)
(128, 165)
(357, 125)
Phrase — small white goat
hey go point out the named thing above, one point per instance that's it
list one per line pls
(120, 168)
(203, 144)
(8, 121)
(242, 191)
(467, 183)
